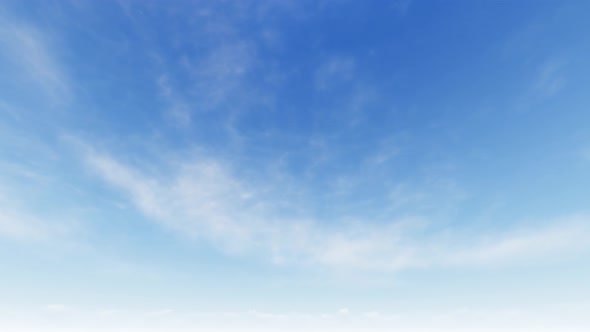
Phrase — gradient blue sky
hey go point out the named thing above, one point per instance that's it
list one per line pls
(325, 165)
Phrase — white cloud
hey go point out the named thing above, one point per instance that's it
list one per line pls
(24, 226)
(221, 77)
(22, 222)
(13, 225)
(27, 47)
(570, 234)
(203, 198)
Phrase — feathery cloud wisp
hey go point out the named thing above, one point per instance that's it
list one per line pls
(28, 48)
(205, 200)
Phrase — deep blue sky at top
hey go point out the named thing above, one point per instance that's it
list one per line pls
(449, 79)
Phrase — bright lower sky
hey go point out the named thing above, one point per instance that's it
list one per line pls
(278, 165)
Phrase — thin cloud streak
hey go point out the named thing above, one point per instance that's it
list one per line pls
(27, 227)
(29, 48)
(204, 200)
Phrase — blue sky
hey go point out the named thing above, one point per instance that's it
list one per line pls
(268, 165)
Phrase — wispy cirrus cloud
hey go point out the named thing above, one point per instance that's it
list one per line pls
(13, 225)
(29, 49)
(203, 199)
(17, 223)
(217, 81)
(178, 109)
(550, 79)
